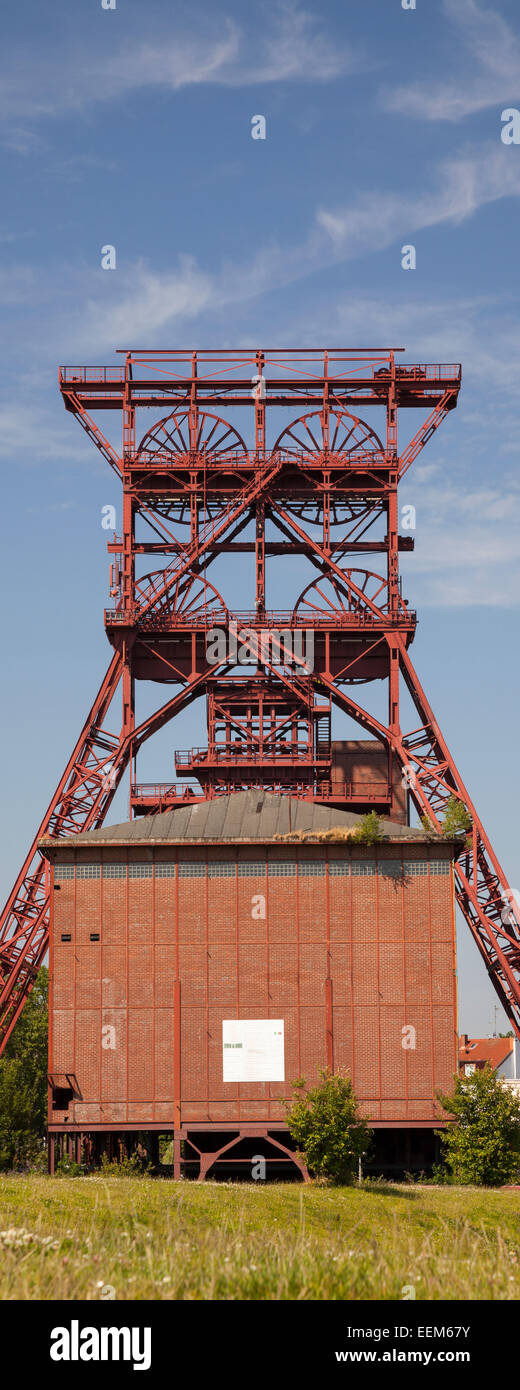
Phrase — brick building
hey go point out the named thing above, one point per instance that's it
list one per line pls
(502, 1054)
(203, 958)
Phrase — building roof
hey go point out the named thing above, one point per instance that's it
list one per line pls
(243, 815)
(481, 1050)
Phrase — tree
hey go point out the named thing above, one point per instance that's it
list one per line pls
(328, 1129)
(429, 828)
(456, 817)
(483, 1147)
(23, 1081)
(369, 831)
(456, 820)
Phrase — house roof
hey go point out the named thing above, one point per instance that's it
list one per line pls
(243, 815)
(480, 1050)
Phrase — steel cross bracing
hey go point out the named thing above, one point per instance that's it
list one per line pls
(317, 485)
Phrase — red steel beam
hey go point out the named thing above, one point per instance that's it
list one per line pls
(241, 486)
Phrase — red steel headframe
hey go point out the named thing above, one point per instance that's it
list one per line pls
(322, 484)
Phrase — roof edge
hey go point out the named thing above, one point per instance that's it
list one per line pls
(48, 844)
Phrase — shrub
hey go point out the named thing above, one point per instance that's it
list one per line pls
(456, 820)
(136, 1165)
(327, 1127)
(429, 828)
(369, 831)
(68, 1168)
(456, 817)
(483, 1147)
(23, 1083)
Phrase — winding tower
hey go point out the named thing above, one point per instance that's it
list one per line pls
(306, 479)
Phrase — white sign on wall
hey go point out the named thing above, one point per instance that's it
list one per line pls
(253, 1049)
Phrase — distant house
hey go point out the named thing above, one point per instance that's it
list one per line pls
(503, 1054)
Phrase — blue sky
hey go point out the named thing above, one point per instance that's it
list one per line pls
(133, 127)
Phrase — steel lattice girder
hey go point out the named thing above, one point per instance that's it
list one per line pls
(80, 803)
(215, 472)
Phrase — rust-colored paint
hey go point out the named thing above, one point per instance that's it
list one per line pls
(177, 1054)
(347, 960)
(289, 469)
(329, 1024)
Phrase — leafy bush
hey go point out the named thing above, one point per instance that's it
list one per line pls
(23, 1083)
(456, 820)
(68, 1168)
(483, 1147)
(136, 1165)
(456, 817)
(327, 1127)
(370, 830)
(429, 828)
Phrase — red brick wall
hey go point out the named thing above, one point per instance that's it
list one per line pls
(366, 760)
(386, 944)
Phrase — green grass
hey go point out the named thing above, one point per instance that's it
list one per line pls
(138, 1238)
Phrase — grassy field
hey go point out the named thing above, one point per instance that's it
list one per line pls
(138, 1238)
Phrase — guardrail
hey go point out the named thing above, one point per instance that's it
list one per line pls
(158, 793)
(69, 375)
(236, 459)
(431, 371)
(276, 622)
(236, 757)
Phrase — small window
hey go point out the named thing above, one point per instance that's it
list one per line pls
(94, 936)
(165, 870)
(114, 870)
(363, 866)
(282, 868)
(191, 868)
(61, 1097)
(88, 871)
(221, 868)
(339, 866)
(139, 870)
(469, 1068)
(66, 936)
(62, 871)
(440, 866)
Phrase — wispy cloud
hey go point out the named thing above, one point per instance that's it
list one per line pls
(282, 44)
(467, 533)
(20, 140)
(467, 550)
(137, 304)
(31, 432)
(287, 44)
(483, 333)
(465, 183)
(150, 302)
(489, 74)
